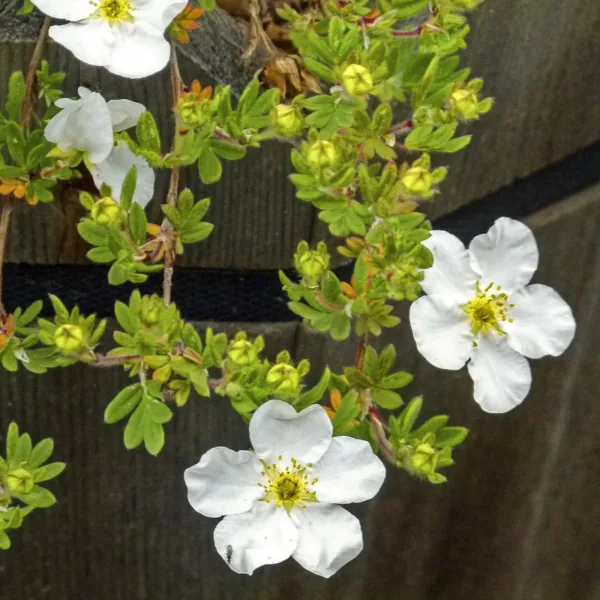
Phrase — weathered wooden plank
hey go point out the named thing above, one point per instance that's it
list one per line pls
(516, 520)
(539, 62)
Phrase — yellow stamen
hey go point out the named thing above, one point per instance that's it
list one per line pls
(288, 487)
(114, 11)
(487, 311)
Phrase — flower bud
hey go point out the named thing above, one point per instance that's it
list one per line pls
(284, 378)
(287, 120)
(464, 103)
(242, 353)
(20, 481)
(417, 181)
(151, 310)
(69, 338)
(357, 80)
(106, 211)
(423, 459)
(322, 154)
(311, 264)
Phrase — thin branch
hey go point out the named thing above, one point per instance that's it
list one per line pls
(29, 101)
(167, 227)
(112, 361)
(4, 221)
(384, 444)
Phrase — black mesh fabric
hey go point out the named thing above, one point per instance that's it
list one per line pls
(204, 294)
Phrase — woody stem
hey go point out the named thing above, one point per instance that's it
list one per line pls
(167, 227)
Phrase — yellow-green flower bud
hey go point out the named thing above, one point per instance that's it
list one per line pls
(417, 181)
(69, 338)
(423, 459)
(20, 481)
(106, 211)
(357, 80)
(311, 264)
(463, 103)
(322, 154)
(284, 378)
(287, 120)
(242, 353)
(151, 310)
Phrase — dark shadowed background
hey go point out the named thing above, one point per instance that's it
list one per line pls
(519, 517)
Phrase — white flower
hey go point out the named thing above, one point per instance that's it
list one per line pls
(88, 124)
(113, 170)
(125, 36)
(281, 500)
(479, 308)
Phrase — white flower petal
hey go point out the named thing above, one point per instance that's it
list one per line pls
(276, 429)
(507, 255)
(502, 377)
(348, 472)
(543, 322)
(113, 170)
(441, 331)
(224, 482)
(125, 114)
(263, 536)
(89, 41)
(135, 52)
(329, 537)
(158, 13)
(450, 274)
(69, 10)
(83, 125)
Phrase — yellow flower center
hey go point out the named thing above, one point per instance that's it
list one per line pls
(487, 311)
(114, 11)
(289, 486)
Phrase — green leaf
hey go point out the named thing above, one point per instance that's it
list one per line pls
(12, 437)
(191, 234)
(396, 380)
(16, 143)
(209, 166)
(23, 448)
(228, 150)
(347, 411)
(340, 326)
(134, 431)
(386, 398)
(449, 437)
(41, 452)
(9, 360)
(430, 426)
(128, 188)
(138, 223)
(408, 416)
(126, 318)
(159, 412)
(199, 210)
(147, 132)
(100, 255)
(123, 403)
(49, 471)
(387, 358)
(154, 436)
(4, 540)
(39, 497)
(173, 215)
(30, 313)
(16, 95)
(92, 233)
(315, 394)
